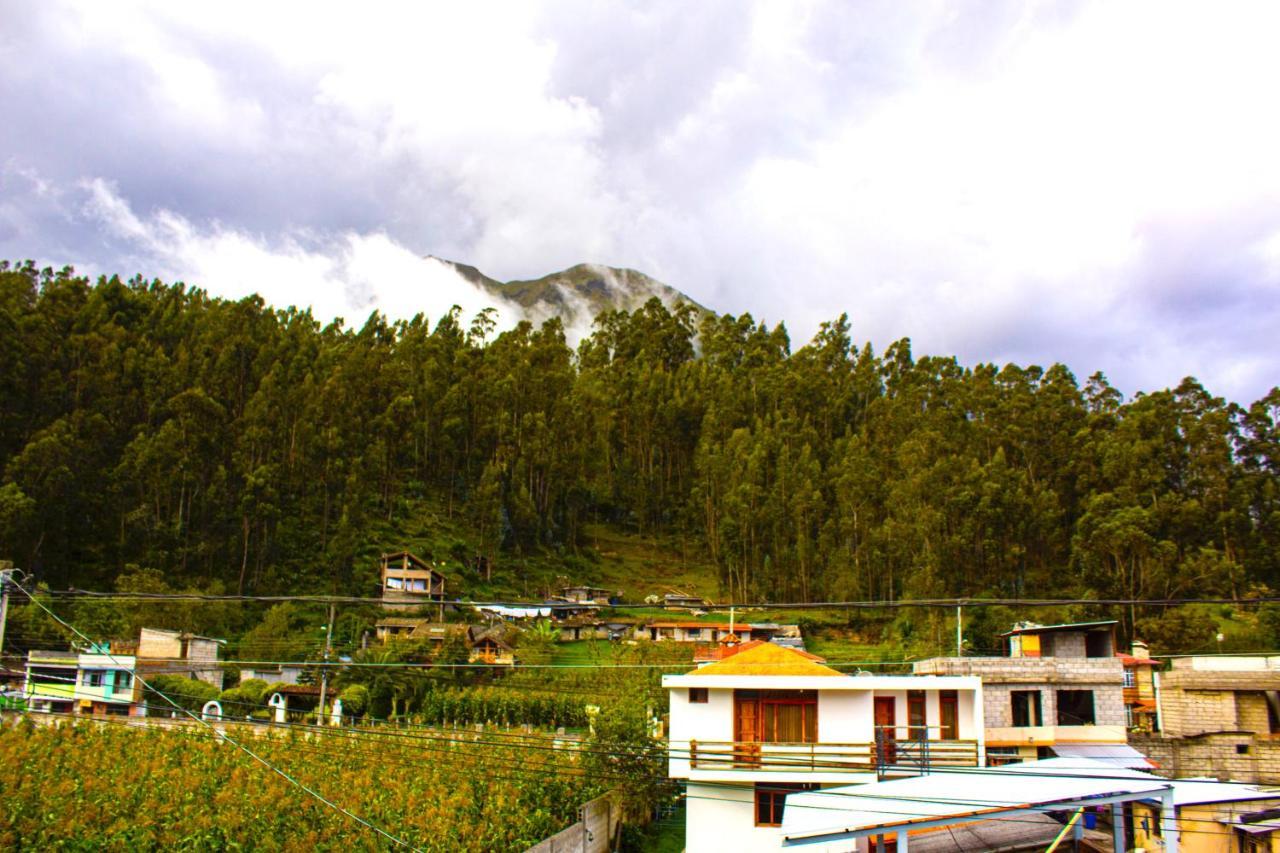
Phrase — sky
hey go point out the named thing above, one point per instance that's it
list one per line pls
(1096, 184)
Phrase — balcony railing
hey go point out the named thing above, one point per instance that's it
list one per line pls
(886, 757)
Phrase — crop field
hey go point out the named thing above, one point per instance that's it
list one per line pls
(114, 786)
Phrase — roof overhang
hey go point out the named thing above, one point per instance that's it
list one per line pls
(841, 814)
(826, 682)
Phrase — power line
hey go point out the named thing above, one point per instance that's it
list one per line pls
(223, 735)
(867, 604)
(360, 753)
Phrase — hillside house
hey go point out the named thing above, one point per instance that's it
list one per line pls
(1219, 717)
(415, 630)
(1140, 688)
(94, 682)
(282, 674)
(681, 601)
(1058, 691)
(490, 645)
(716, 632)
(595, 629)
(409, 581)
(747, 730)
(587, 594)
(180, 653)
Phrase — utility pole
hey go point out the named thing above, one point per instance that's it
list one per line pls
(324, 671)
(959, 631)
(6, 570)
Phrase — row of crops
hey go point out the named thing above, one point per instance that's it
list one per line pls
(502, 706)
(95, 786)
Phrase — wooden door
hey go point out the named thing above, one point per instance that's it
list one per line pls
(746, 731)
(886, 729)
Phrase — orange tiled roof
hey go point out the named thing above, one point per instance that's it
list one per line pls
(766, 659)
(1130, 660)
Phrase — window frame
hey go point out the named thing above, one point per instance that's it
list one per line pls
(699, 695)
(948, 730)
(1093, 708)
(1034, 708)
(772, 796)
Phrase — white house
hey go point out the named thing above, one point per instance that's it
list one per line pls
(768, 720)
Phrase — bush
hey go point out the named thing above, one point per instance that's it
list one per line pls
(188, 693)
(355, 700)
(255, 690)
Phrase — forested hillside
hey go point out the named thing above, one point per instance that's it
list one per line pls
(232, 442)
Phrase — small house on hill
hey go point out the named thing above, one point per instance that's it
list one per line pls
(681, 601)
(409, 581)
(586, 594)
(417, 629)
(490, 644)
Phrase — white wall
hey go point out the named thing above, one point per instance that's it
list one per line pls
(722, 819)
(709, 721)
(845, 717)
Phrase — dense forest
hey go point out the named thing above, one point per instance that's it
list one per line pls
(230, 442)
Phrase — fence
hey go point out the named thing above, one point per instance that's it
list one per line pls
(595, 832)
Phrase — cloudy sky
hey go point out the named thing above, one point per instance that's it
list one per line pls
(1093, 183)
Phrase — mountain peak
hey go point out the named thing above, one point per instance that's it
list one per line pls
(578, 293)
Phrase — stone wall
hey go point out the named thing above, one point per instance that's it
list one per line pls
(593, 833)
(1066, 644)
(1193, 712)
(1228, 756)
(1001, 676)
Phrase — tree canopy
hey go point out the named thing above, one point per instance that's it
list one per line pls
(150, 424)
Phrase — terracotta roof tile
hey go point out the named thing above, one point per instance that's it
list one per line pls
(767, 659)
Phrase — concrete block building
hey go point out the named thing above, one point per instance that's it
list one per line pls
(1058, 691)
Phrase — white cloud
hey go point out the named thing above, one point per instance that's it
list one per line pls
(1096, 185)
(348, 276)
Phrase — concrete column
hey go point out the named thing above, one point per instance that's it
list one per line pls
(1169, 822)
(902, 841)
(1117, 827)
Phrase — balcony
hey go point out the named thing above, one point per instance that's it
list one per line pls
(889, 755)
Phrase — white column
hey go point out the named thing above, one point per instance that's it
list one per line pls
(902, 841)
(1169, 822)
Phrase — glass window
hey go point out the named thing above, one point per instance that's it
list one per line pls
(790, 720)
(771, 799)
(697, 695)
(94, 677)
(776, 716)
(395, 583)
(124, 680)
(1129, 679)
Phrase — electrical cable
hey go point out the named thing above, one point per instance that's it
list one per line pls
(246, 750)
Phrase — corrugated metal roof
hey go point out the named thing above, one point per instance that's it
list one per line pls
(1066, 626)
(962, 794)
(1114, 754)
